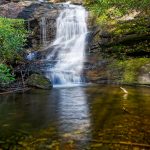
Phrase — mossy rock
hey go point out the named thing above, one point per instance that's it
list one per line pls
(144, 75)
(39, 81)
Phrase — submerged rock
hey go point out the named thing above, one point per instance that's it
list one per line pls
(39, 81)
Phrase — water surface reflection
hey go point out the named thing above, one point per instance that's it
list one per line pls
(73, 111)
(96, 117)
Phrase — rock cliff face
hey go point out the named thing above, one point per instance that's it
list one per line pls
(40, 19)
(41, 22)
(11, 10)
(120, 53)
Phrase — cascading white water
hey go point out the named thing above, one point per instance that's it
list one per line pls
(69, 47)
(43, 31)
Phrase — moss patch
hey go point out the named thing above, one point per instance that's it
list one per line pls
(129, 69)
(39, 81)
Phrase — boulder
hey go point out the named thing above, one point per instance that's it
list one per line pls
(144, 75)
(39, 81)
(79, 2)
(11, 10)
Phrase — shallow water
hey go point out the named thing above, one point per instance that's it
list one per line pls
(77, 118)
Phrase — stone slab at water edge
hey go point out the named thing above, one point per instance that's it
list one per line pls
(39, 81)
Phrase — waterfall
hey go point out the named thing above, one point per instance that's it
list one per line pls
(68, 47)
(43, 38)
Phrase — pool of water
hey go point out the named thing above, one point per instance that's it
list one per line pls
(76, 118)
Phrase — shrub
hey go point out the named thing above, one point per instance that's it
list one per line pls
(12, 38)
(5, 75)
(110, 9)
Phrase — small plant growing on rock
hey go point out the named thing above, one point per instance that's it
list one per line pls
(5, 75)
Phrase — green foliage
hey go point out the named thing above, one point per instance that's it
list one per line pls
(12, 38)
(134, 50)
(135, 26)
(130, 38)
(5, 75)
(107, 9)
(130, 68)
